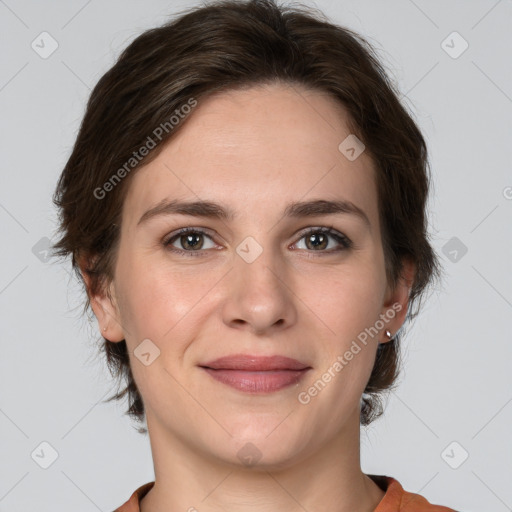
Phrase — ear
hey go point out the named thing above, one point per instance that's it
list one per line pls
(396, 301)
(104, 306)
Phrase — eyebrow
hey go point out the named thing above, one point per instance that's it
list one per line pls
(209, 209)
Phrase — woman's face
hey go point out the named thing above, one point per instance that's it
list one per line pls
(264, 281)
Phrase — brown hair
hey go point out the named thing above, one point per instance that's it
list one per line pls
(227, 45)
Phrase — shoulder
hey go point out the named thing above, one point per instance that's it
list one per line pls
(397, 499)
(133, 503)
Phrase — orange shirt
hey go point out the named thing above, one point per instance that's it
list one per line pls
(395, 499)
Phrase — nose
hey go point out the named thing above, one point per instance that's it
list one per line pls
(260, 296)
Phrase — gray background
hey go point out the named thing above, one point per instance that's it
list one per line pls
(456, 386)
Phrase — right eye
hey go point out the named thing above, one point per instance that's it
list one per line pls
(191, 239)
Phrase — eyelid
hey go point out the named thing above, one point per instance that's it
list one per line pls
(341, 238)
(166, 242)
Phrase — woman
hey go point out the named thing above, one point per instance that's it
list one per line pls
(245, 203)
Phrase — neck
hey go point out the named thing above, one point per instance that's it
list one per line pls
(328, 479)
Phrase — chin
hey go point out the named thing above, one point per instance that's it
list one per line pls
(265, 446)
(264, 455)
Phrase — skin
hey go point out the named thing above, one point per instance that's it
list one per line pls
(254, 151)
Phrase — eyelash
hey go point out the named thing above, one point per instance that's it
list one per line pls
(341, 239)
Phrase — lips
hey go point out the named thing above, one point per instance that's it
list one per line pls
(256, 374)
(255, 363)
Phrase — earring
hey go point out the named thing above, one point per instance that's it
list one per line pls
(388, 334)
(104, 329)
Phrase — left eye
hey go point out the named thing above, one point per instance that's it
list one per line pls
(318, 238)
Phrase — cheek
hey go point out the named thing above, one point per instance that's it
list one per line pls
(154, 303)
(347, 299)
(163, 302)
(147, 290)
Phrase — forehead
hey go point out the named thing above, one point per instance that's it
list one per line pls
(255, 150)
